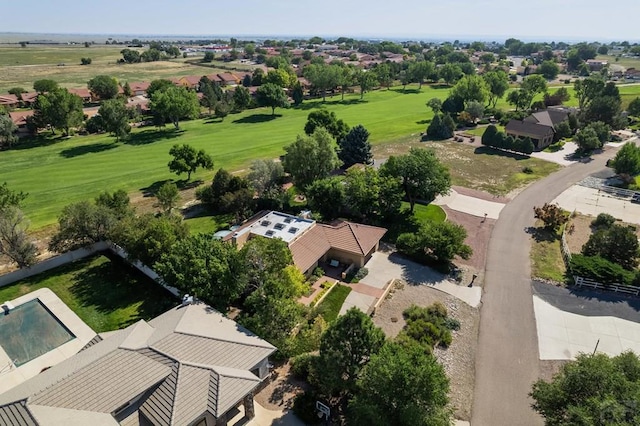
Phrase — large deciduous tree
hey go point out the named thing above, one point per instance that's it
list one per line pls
(311, 158)
(497, 83)
(595, 389)
(346, 347)
(435, 243)
(44, 85)
(321, 191)
(616, 243)
(82, 224)
(115, 118)
(205, 267)
(323, 77)
(272, 96)
(265, 175)
(187, 160)
(471, 88)
(174, 104)
(366, 81)
(627, 160)
(7, 131)
(421, 174)
(103, 86)
(14, 241)
(401, 385)
(327, 119)
(355, 147)
(59, 109)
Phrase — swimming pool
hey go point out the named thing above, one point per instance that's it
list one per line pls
(31, 330)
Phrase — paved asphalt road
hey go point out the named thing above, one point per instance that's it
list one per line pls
(588, 302)
(507, 358)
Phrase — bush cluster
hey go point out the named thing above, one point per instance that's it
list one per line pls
(602, 270)
(496, 139)
(430, 326)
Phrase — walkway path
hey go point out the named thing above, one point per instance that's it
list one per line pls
(507, 360)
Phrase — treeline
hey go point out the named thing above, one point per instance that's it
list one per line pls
(494, 138)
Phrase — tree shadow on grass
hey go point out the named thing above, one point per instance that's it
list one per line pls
(149, 136)
(413, 91)
(256, 118)
(77, 151)
(37, 141)
(116, 285)
(426, 121)
(182, 184)
(542, 234)
(499, 152)
(317, 103)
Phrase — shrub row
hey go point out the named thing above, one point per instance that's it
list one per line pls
(493, 138)
(602, 270)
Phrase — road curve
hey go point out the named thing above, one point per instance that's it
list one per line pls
(507, 357)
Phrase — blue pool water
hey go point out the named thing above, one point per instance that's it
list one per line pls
(31, 330)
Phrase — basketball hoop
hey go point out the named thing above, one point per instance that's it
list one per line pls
(323, 410)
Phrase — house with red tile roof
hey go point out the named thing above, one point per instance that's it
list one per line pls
(85, 94)
(311, 242)
(190, 81)
(229, 79)
(9, 101)
(139, 88)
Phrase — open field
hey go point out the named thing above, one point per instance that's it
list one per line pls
(20, 67)
(476, 167)
(625, 62)
(106, 294)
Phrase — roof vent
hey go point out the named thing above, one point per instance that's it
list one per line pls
(265, 223)
(293, 230)
(279, 226)
(187, 300)
(287, 220)
(269, 233)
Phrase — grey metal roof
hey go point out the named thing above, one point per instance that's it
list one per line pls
(213, 352)
(106, 385)
(158, 407)
(548, 117)
(16, 414)
(92, 342)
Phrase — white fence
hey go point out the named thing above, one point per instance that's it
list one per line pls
(618, 288)
(78, 254)
(53, 262)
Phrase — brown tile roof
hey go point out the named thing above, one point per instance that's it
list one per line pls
(346, 236)
(139, 86)
(83, 93)
(309, 247)
(9, 99)
(191, 80)
(228, 77)
(19, 118)
(214, 78)
(353, 237)
(30, 96)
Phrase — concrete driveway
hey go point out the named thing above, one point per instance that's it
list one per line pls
(383, 267)
(563, 335)
(592, 202)
(563, 156)
(470, 205)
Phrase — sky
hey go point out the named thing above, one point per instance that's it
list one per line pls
(549, 20)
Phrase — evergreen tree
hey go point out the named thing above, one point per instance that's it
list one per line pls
(355, 147)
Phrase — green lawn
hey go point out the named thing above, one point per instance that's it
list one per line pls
(106, 294)
(428, 213)
(56, 172)
(411, 223)
(332, 303)
(208, 223)
(546, 255)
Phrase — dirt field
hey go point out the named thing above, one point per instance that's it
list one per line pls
(579, 230)
(476, 167)
(459, 359)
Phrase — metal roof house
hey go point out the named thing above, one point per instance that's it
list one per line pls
(539, 126)
(190, 366)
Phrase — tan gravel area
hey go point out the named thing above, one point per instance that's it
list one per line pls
(459, 359)
(579, 230)
(478, 235)
(281, 388)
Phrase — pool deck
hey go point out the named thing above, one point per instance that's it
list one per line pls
(10, 375)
